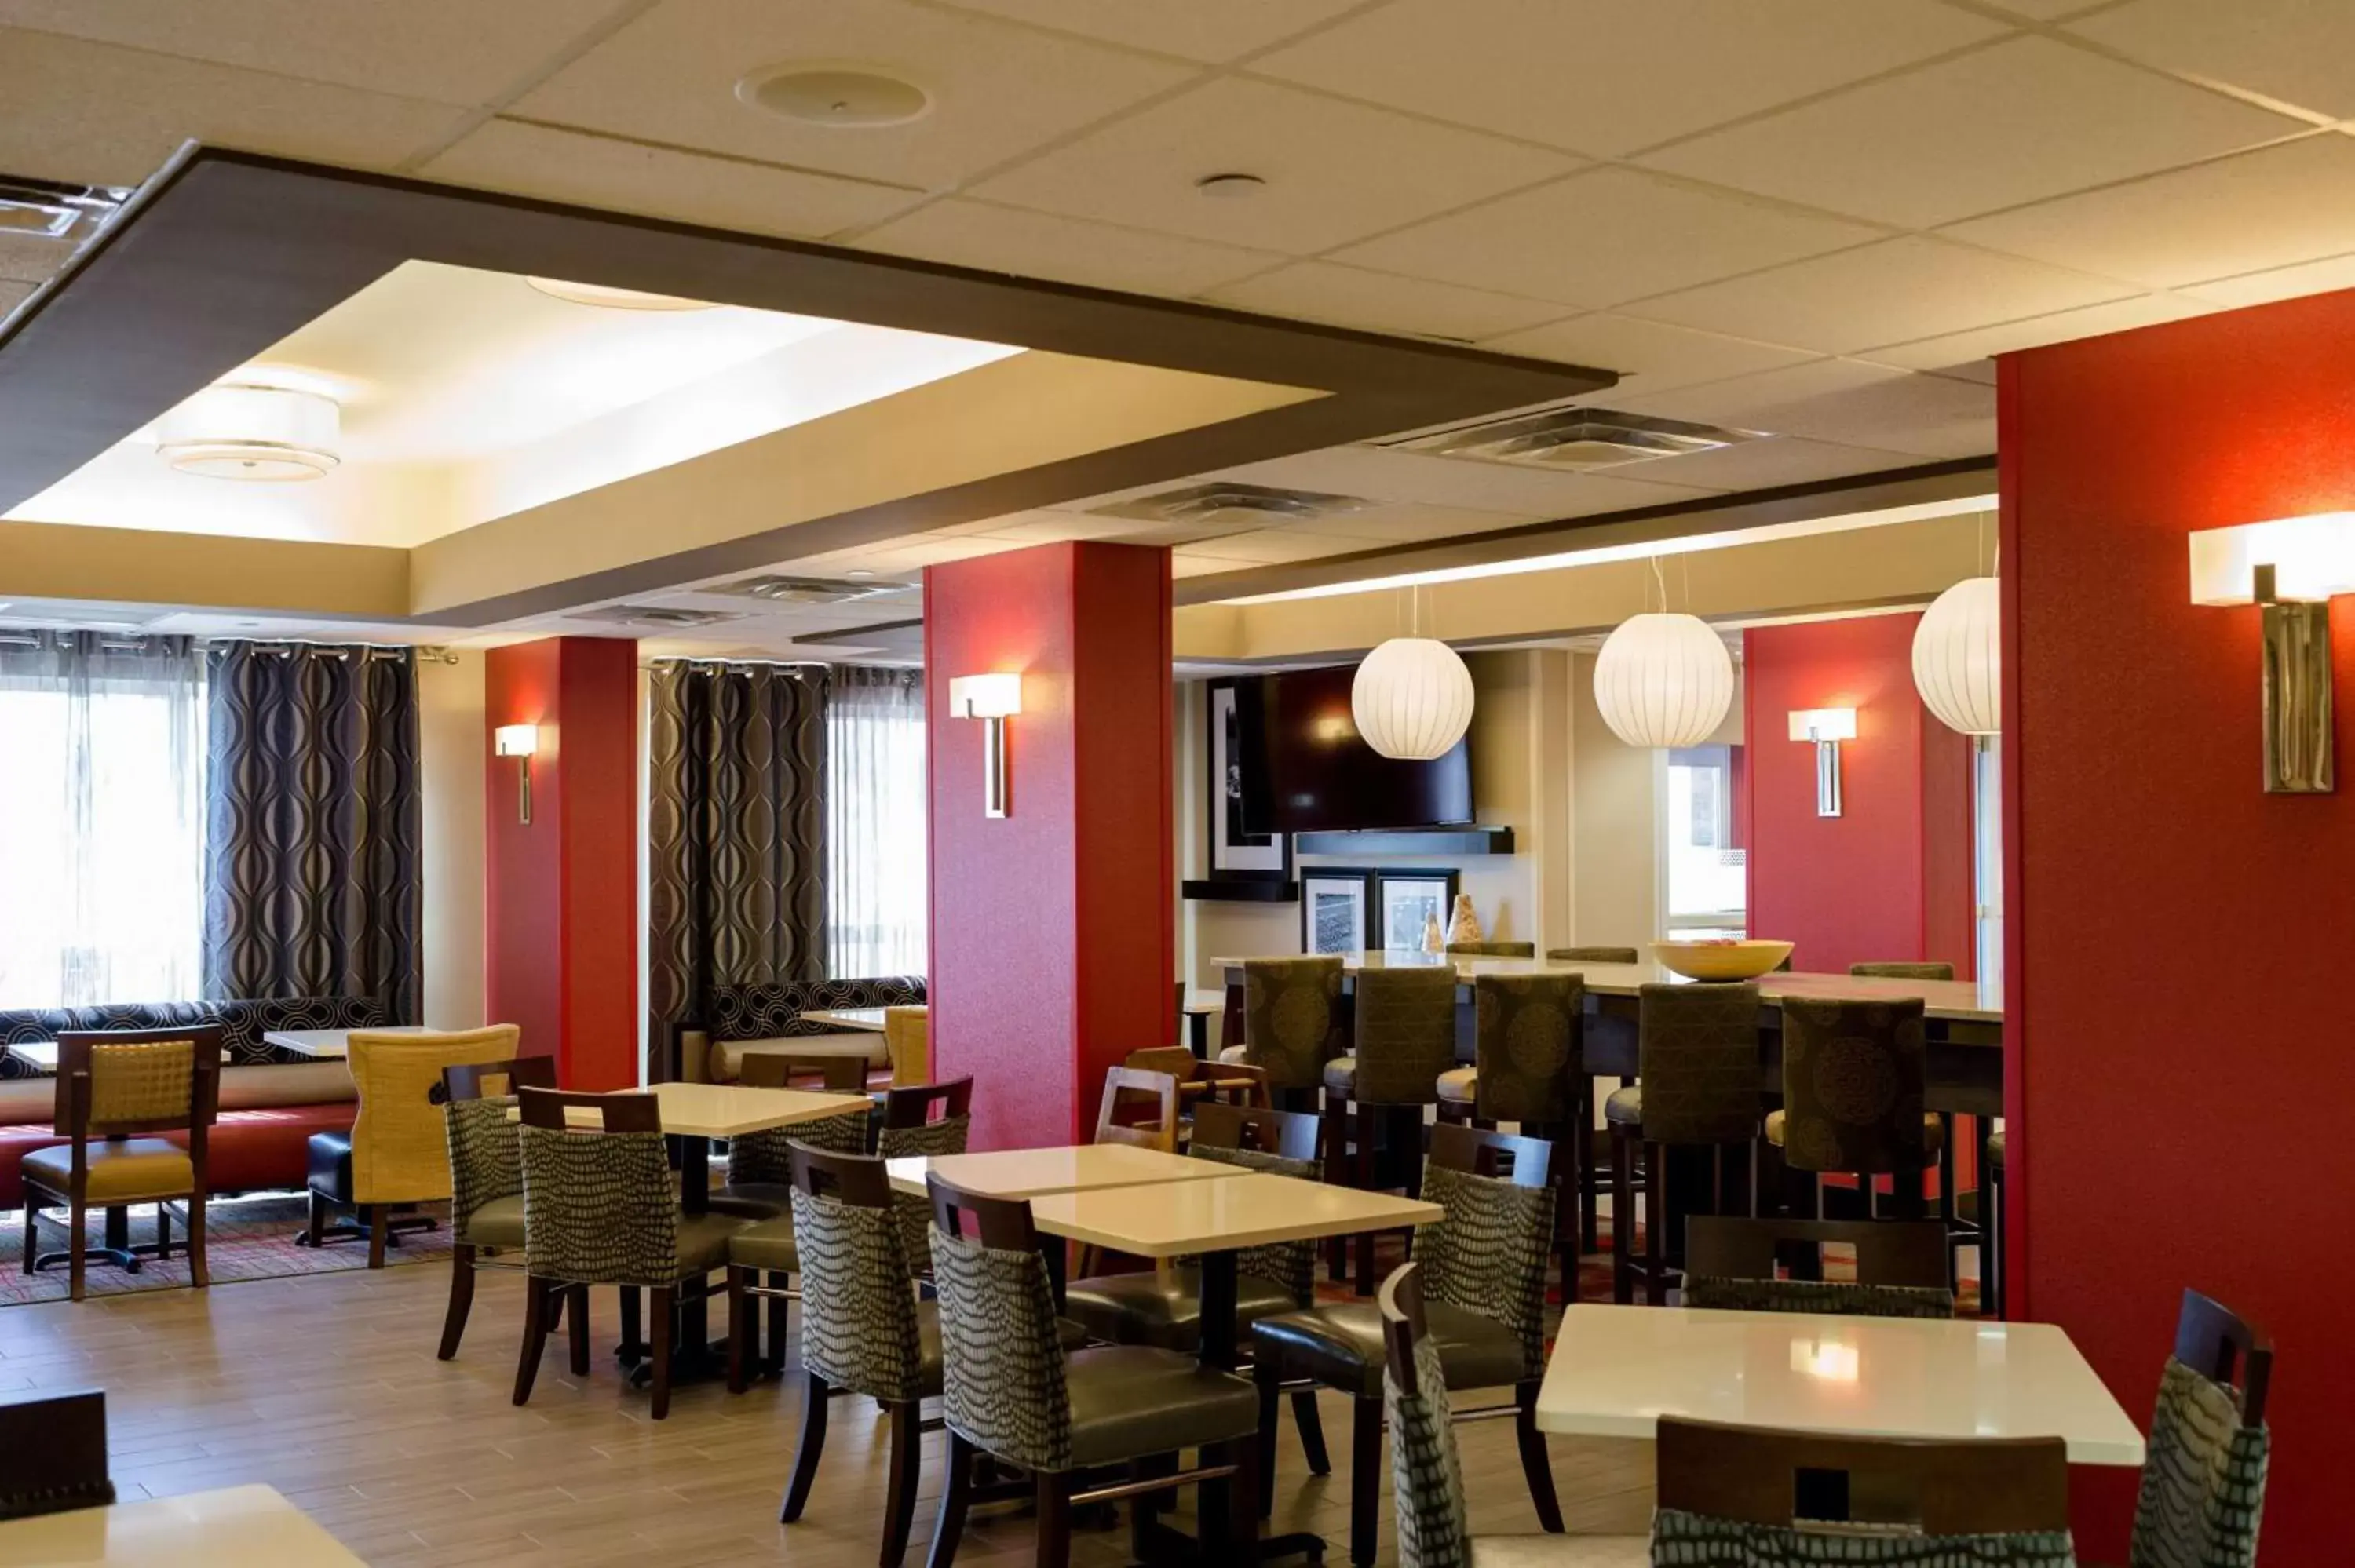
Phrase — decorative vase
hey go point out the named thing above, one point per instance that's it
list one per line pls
(1465, 926)
(1433, 941)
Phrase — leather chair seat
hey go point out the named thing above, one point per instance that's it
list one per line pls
(1625, 1106)
(119, 1172)
(330, 1167)
(498, 1223)
(1933, 1130)
(1461, 1086)
(766, 1243)
(1342, 1075)
(1145, 1309)
(1235, 1056)
(1995, 1146)
(703, 1242)
(753, 1200)
(1341, 1346)
(1128, 1401)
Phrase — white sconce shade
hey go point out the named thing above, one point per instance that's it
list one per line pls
(605, 296)
(516, 740)
(985, 696)
(1664, 680)
(1823, 724)
(251, 433)
(1411, 698)
(1958, 657)
(2312, 558)
(2293, 566)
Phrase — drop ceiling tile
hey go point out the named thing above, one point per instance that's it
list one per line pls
(451, 51)
(1198, 29)
(1845, 401)
(1405, 521)
(102, 115)
(670, 75)
(2273, 207)
(1604, 235)
(1068, 249)
(2292, 50)
(627, 177)
(1183, 563)
(1383, 301)
(1891, 293)
(2017, 122)
(1604, 77)
(1379, 473)
(1965, 354)
(2281, 283)
(1648, 356)
(30, 257)
(1279, 546)
(13, 294)
(1335, 171)
(1786, 460)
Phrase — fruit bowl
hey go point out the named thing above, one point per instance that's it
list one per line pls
(1726, 961)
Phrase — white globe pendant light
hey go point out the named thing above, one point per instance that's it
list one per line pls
(1411, 698)
(1663, 680)
(1958, 657)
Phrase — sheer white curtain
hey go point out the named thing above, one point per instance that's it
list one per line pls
(876, 906)
(102, 818)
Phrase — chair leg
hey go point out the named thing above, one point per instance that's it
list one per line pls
(534, 1334)
(1590, 1206)
(1054, 1493)
(773, 1353)
(632, 1347)
(1361, 1176)
(75, 1264)
(314, 1228)
(1311, 1421)
(907, 1471)
(1242, 1505)
(740, 1308)
(1623, 1220)
(576, 1306)
(810, 1447)
(1535, 1464)
(163, 1232)
(1656, 1223)
(956, 1497)
(1268, 1374)
(462, 1300)
(200, 1268)
(379, 1228)
(33, 1233)
(1365, 1481)
(659, 1313)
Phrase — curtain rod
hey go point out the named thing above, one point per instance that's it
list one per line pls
(284, 648)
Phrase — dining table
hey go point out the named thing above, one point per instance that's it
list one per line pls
(856, 1020)
(1041, 1173)
(235, 1527)
(330, 1045)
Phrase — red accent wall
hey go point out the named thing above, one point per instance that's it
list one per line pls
(2180, 1032)
(1890, 878)
(1053, 929)
(561, 894)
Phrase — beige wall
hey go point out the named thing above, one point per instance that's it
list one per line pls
(452, 749)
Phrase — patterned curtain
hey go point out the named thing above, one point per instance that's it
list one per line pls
(312, 863)
(735, 831)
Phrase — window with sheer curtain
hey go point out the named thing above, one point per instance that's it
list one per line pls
(102, 818)
(876, 907)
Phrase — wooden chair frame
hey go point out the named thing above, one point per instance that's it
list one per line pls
(1911, 1252)
(472, 1081)
(2216, 1342)
(779, 1070)
(912, 1105)
(1956, 1486)
(56, 1445)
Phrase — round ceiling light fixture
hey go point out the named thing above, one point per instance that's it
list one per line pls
(1411, 698)
(267, 433)
(1663, 680)
(606, 297)
(838, 95)
(1958, 657)
(1229, 186)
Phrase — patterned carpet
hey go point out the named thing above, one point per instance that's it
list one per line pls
(248, 1238)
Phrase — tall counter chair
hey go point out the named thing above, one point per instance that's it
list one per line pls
(1292, 1017)
(1528, 1071)
(1492, 950)
(1698, 1055)
(1404, 1027)
(1593, 1175)
(1902, 969)
(397, 1154)
(113, 1087)
(1854, 1076)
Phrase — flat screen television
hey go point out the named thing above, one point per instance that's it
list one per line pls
(1305, 770)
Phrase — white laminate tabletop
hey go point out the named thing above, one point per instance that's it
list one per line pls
(727, 1110)
(41, 1055)
(1973, 1002)
(867, 1018)
(1174, 1218)
(1206, 1001)
(241, 1527)
(326, 1043)
(1035, 1172)
(1616, 1370)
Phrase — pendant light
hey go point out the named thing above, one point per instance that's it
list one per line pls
(1663, 680)
(1411, 698)
(270, 433)
(1958, 657)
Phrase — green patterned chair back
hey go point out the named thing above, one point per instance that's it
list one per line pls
(1292, 1265)
(1854, 1074)
(1492, 950)
(1698, 1053)
(1426, 1468)
(1488, 1255)
(1405, 1020)
(1901, 1267)
(1894, 970)
(768, 1156)
(947, 1136)
(1845, 1298)
(599, 1207)
(2203, 1480)
(479, 1110)
(1290, 1010)
(858, 1308)
(1593, 955)
(1003, 1385)
(1528, 1037)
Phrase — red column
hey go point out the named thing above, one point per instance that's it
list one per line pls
(1053, 928)
(2178, 1063)
(561, 899)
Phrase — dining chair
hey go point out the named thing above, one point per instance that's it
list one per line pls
(759, 1164)
(1900, 1266)
(1139, 1109)
(486, 1155)
(1238, 1082)
(1527, 1069)
(1293, 1023)
(1404, 1034)
(1904, 968)
(56, 1448)
(1011, 1390)
(113, 1087)
(1427, 1492)
(1484, 1278)
(926, 1121)
(600, 1208)
(1492, 950)
(1593, 1174)
(397, 1154)
(908, 1043)
(2204, 1478)
(1757, 1494)
(1697, 1056)
(1855, 1071)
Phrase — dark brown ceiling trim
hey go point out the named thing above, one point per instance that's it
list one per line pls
(1890, 488)
(228, 252)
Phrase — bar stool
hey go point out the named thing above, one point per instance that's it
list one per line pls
(1593, 955)
(1995, 1260)
(1854, 1072)
(1530, 1029)
(1697, 1053)
(1405, 1032)
(1292, 1018)
(1594, 1180)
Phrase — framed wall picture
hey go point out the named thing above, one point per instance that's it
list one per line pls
(1405, 902)
(1333, 911)
(1237, 855)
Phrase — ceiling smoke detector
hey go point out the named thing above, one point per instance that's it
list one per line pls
(654, 616)
(781, 590)
(1572, 439)
(53, 210)
(1230, 502)
(839, 96)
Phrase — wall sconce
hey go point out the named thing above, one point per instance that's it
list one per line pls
(993, 699)
(1827, 727)
(2291, 566)
(519, 741)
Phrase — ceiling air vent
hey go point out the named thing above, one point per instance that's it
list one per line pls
(654, 615)
(778, 589)
(55, 211)
(1227, 502)
(1572, 439)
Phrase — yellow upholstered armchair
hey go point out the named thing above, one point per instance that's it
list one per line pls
(397, 1153)
(907, 1037)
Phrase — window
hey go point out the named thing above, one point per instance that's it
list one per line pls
(101, 819)
(1708, 885)
(875, 805)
